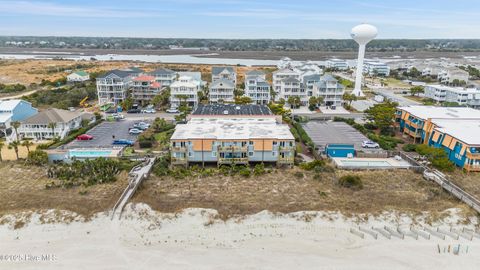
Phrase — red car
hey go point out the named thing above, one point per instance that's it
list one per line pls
(84, 137)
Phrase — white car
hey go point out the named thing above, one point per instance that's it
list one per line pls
(149, 110)
(172, 110)
(135, 131)
(370, 144)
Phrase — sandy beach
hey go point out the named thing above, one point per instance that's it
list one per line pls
(195, 239)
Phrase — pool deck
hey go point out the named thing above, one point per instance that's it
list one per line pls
(392, 163)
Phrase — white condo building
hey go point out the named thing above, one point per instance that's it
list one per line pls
(164, 76)
(330, 89)
(337, 64)
(225, 73)
(376, 68)
(463, 96)
(256, 87)
(184, 89)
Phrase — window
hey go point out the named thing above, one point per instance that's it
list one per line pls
(274, 153)
(214, 154)
(250, 142)
(190, 154)
(250, 154)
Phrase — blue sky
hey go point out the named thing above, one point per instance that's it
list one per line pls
(240, 18)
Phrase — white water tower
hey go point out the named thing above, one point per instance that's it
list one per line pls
(362, 34)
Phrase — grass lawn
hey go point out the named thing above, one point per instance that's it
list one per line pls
(392, 82)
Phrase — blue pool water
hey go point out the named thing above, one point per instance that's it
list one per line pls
(90, 153)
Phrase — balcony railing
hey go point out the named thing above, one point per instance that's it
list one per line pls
(233, 160)
(178, 149)
(232, 149)
(285, 148)
(178, 161)
(472, 168)
(285, 160)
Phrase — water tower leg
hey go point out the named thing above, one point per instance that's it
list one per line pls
(357, 91)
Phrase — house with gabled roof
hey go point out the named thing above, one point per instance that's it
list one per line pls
(78, 76)
(226, 73)
(164, 76)
(112, 87)
(256, 87)
(221, 90)
(49, 124)
(145, 88)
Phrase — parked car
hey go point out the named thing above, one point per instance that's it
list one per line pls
(118, 116)
(135, 131)
(134, 111)
(123, 142)
(149, 110)
(141, 125)
(172, 110)
(370, 144)
(84, 137)
(111, 110)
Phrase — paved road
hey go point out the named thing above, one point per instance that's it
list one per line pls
(148, 116)
(19, 95)
(401, 100)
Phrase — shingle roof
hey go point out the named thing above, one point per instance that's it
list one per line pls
(222, 83)
(291, 80)
(161, 71)
(232, 109)
(218, 70)
(313, 77)
(52, 116)
(116, 72)
(328, 77)
(255, 73)
(144, 78)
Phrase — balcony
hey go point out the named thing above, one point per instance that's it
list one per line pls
(178, 149)
(286, 148)
(285, 160)
(233, 149)
(179, 161)
(233, 160)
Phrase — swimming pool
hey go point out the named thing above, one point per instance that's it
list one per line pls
(371, 163)
(90, 153)
(362, 163)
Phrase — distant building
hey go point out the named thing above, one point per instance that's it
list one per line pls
(463, 96)
(164, 76)
(11, 111)
(256, 87)
(336, 64)
(37, 126)
(221, 90)
(232, 134)
(145, 88)
(113, 86)
(450, 75)
(375, 68)
(195, 75)
(225, 73)
(184, 89)
(78, 76)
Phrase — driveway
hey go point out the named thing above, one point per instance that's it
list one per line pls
(103, 135)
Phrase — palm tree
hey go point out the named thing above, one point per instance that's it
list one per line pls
(16, 125)
(2, 144)
(27, 143)
(14, 145)
(52, 125)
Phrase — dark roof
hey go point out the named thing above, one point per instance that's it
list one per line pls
(233, 109)
(255, 73)
(118, 73)
(291, 80)
(218, 70)
(134, 70)
(162, 71)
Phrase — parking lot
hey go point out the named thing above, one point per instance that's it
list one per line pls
(103, 135)
(329, 132)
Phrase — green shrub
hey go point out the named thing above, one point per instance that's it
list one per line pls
(351, 181)
(308, 166)
(409, 147)
(245, 172)
(437, 156)
(298, 175)
(37, 157)
(259, 169)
